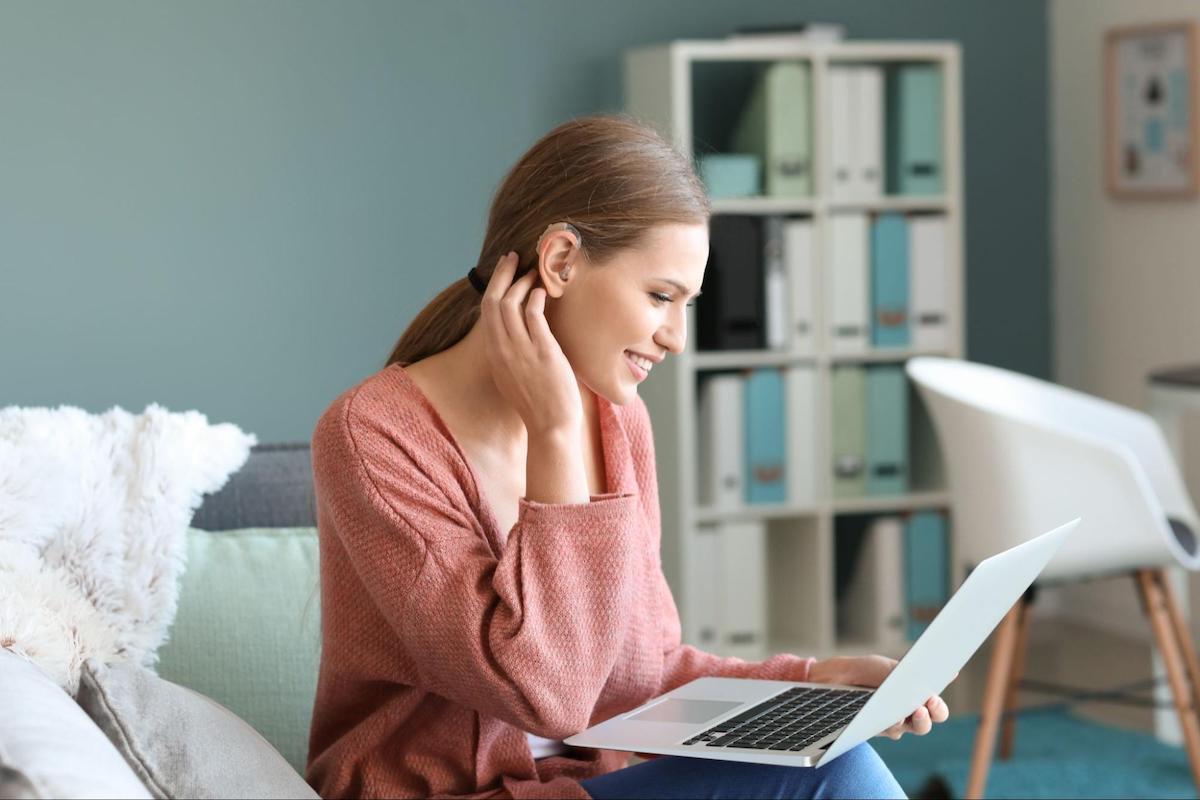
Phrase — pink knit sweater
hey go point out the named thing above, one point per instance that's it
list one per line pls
(446, 639)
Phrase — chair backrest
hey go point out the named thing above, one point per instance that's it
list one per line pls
(1025, 455)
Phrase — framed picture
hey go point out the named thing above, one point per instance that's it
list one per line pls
(1151, 121)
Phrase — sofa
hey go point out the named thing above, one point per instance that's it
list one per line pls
(228, 713)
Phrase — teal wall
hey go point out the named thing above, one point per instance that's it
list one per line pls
(237, 206)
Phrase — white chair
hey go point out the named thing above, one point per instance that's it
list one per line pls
(1022, 456)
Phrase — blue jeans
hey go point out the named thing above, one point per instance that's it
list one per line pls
(857, 773)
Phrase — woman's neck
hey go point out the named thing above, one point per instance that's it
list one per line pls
(466, 366)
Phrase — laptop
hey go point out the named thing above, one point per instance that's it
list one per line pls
(810, 724)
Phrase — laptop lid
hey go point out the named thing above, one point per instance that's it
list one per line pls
(953, 637)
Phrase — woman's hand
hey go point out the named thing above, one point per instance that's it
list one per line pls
(870, 671)
(527, 364)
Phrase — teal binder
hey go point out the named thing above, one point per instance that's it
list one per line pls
(766, 439)
(926, 569)
(914, 130)
(889, 281)
(887, 429)
(775, 125)
(849, 390)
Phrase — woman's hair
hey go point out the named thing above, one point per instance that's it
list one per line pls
(609, 175)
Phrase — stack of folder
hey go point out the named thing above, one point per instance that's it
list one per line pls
(775, 126)
(870, 430)
(892, 576)
(885, 127)
(728, 564)
(758, 285)
(887, 282)
(868, 108)
(757, 437)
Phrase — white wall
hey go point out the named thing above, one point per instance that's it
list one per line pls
(1126, 272)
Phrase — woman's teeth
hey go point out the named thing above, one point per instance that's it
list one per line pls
(644, 363)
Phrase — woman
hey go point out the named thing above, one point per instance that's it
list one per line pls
(489, 518)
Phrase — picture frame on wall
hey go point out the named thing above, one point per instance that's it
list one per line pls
(1150, 78)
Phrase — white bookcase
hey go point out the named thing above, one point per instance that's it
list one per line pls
(664, 85)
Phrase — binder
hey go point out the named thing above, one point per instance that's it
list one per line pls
(730, 312)
(926, 559)
(848, 282)
(856, 131)
(867, 135)
(872, 608)
(914, 104)
(889, 281)
(801, 386)
(742, 594)
(775, 126)
(849, 385)
(927, 265)
(704, 571)
(843, 171)
(766, 437)
(775, 298)
(799, 256)
(720, 446)
(887, 429)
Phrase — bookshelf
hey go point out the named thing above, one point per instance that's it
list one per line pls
(683, 87)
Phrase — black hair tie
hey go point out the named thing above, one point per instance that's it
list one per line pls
(476, 281)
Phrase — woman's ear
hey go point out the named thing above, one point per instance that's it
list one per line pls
(557, 257)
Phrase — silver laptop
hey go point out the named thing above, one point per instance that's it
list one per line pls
(810, 724)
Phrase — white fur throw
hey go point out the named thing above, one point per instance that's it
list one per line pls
(94, 511)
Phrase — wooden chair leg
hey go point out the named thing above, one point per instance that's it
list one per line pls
(1152, 583)
(993, 701)
(1018, 671)
(1183, 635)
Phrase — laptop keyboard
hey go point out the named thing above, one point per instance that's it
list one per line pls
(790, 721)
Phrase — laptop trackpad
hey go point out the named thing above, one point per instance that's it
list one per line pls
(692, 711)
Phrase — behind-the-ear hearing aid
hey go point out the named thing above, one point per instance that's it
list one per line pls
(562, 226)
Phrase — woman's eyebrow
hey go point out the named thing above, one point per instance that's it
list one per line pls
(679, 286)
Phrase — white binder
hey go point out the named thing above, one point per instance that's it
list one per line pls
(703, 624)
(799, 257)
(775, 283)
(867, 136)
(742, 588)
(873, 604)
(721, 441)
(801, 394)
(927, 265)
(842, 169)
(849, 271)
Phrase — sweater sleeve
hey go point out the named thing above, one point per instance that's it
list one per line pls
(529, 637)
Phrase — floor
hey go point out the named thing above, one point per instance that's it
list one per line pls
(1068, 653)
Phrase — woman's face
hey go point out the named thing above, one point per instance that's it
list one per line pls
(612, 316)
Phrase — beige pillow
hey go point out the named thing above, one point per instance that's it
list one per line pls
(48, 746)
(181, 743)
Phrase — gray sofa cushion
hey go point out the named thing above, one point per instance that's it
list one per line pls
(273, 489)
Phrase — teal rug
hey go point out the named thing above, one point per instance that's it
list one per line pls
(1055, 755)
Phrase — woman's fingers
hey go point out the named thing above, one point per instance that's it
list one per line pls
(921, 722)
(535, 317)
(938, 710)
(490, 308)
(513, 304)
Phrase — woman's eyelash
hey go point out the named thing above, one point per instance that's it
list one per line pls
(663, 298)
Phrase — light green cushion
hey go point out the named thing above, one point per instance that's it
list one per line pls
(247, 632)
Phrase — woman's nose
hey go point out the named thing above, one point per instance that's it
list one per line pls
(673, 337)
